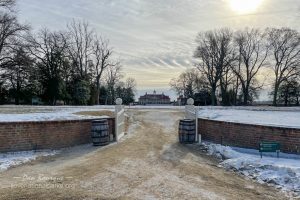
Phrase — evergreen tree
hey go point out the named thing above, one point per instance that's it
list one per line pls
(81, 94)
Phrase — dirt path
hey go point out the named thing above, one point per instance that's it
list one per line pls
(149, 164)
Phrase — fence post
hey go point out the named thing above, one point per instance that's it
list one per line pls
(119, 118)
(199, 139)
(191, 112)
(188, 108)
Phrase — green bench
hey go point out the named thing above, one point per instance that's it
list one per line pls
(268, 146)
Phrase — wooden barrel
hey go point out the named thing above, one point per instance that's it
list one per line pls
(100, 132)
(187, 131)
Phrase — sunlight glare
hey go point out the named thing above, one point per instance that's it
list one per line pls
(245, 6)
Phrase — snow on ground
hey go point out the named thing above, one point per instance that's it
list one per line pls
(47, 113)
(8, 160)
(283, 172)
(170, 107)
(284, 117)
(253, 108)
(42, 117)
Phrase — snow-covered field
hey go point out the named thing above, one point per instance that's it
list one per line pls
(268, 116)
(8, 160)
(283, 172)
(47, 113)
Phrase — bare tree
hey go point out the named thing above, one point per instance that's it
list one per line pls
(285, 46)
(252, 56)
(89, 53)
(227, 85)
(17, 74)
(214, 53)
(102, 55)
(188, 83)
(50, 50)
(131, 84)
(10, 31)
(7, 4)
(81, 48)
(112, 78)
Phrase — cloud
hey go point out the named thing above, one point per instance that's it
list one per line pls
(155, 39)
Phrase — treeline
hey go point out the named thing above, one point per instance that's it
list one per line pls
(229, 64)
(75, 66)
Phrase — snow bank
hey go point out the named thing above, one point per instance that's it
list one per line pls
(47, 113)
(42, 117)
(260, 117)
(51, 113)
(8, 160)
(283, 172)
(252, 108)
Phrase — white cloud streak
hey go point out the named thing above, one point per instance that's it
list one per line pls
(155, 39)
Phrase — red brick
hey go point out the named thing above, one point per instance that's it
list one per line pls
(21, 136)
(249, 136)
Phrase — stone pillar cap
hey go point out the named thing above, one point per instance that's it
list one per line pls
(190, 101)
(119, 101)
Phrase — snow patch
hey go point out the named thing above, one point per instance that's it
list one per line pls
(45, 113)
(290, 119)
(283, 172)
(8, 160)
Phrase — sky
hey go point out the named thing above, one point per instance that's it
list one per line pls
(155, 39)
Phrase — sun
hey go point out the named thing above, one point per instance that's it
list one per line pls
(245, 6)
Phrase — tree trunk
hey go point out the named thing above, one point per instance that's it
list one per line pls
(286, 100)
(275, 94)
(245, 99)
(98, 91)
(246, 95)
(17, 96)
(236, 91)
(213, 96)
(223, 93)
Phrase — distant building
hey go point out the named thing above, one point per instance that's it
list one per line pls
(154, 99)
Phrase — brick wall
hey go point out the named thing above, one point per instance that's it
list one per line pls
(249, 136)
(21, 136)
